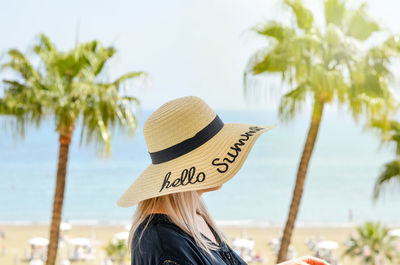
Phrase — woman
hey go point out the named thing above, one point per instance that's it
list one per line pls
(192, 152)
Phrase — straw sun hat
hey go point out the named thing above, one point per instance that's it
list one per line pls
(191, 149)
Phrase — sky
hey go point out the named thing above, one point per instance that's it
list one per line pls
(196, 48)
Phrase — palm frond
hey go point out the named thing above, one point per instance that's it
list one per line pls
(21, 65)
(390, 175)
(273, 29)
(360, 25)
(130, 75)
(303, 15)
(335, 11)
(292, 102)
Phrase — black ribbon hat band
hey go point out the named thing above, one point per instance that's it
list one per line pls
(189, 144)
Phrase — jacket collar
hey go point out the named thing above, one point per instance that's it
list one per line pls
(163, 218)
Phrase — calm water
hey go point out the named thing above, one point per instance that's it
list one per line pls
(341, 175)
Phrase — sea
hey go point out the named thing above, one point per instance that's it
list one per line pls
(338, 191)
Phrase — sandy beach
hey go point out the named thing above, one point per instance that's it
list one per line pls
(16, 241)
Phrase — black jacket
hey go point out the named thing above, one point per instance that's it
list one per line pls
(164, 243)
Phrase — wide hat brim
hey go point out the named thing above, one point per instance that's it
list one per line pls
(210, 165)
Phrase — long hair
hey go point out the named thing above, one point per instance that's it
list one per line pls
(181, 208)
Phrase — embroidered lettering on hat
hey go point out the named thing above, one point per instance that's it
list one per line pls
(222, 167)
(186, 175)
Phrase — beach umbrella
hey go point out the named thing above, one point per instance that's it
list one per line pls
(327, 244)
(243, 243)
(38, 241)
(395, 232)
(122, 236)
(274, 241)
(65, 226)
(36, 262)
(79, 241)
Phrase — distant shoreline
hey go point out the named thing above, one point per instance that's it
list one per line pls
(221, 223)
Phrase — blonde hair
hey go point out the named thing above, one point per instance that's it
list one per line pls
(181, 208)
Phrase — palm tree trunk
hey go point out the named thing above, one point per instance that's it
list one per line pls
(64, 140)
(300, 179)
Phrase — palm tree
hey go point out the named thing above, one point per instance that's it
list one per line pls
(325, 66)
(372, 244)
(67, 86)
(390, 174)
